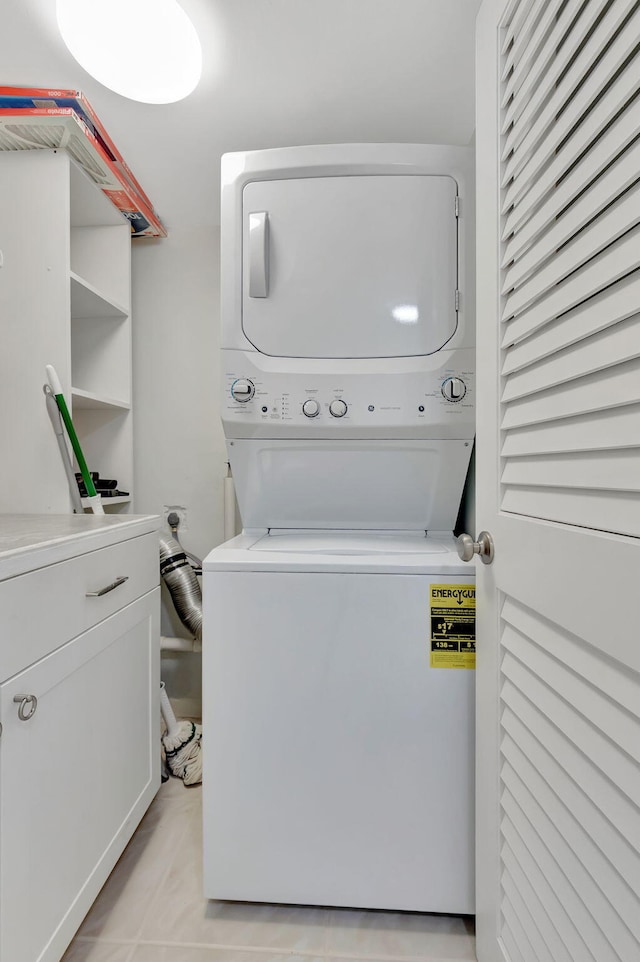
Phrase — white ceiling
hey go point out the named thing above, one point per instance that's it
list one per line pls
(277, 72)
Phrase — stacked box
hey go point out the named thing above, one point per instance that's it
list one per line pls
(38, 118)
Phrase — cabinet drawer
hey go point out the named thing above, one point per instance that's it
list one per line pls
(43, 609)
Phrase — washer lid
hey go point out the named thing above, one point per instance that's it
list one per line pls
(349, 543)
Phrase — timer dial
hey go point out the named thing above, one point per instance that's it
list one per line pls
(453, 389)
(242, 390)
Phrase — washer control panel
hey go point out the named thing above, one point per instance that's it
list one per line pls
(438, 402)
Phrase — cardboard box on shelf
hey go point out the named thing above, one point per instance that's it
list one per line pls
(42, 118)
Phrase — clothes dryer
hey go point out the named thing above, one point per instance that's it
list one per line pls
(338, 627)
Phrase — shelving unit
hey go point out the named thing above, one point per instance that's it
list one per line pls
(65, 290)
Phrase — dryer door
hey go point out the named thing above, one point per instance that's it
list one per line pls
(350, 267)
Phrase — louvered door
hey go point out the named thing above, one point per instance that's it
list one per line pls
(558, 674)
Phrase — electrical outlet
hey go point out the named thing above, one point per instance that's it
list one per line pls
(178, 509)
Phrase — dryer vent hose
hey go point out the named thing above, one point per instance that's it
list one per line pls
(182, 582)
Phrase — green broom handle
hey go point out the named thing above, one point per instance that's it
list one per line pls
(56, 387)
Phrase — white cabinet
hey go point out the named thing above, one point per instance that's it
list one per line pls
(65, 300)
(78, 774)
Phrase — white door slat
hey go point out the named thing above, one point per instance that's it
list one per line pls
(512, 941)
(544, 44)
(527, 12)
(542, 933)
(613, 902)
(518, 894)
(604, 191)
(617, 513)
(618, 218)
(612, 346)
(585, 735)
(542, 50)
(576, 797)
(598, 431)
(606, 921)
(615, 262)
(558, 897)
(610, 388)
(554, 83)
(513, 14)
(625, 86)
(580, 86)
(611, 471)
(611, 678)
(548, 198)
(600, 802)
(613, 304)
(602, 712)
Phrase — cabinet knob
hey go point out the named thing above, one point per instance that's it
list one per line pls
(27, 705)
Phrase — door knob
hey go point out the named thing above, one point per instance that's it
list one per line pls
(467, 547)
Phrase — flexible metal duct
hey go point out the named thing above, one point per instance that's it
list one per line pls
(182, 582)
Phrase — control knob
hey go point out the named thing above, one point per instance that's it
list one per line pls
(242, 390)
(311, 408)
(338, 408)
(453, 389)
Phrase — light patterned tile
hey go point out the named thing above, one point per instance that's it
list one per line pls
(119, 909)
(80, 951)
(179, 913)
(177, 953)
(405, 935)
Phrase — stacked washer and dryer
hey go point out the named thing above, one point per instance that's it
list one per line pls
(337, 701)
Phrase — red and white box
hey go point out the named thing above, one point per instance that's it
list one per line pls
(39, 118)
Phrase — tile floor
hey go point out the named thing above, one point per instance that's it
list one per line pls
(151, 910)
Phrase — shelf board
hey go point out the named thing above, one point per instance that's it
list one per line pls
(86, 502)
(87, 400)
(87, 301)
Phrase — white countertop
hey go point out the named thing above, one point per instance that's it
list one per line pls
(29, 541)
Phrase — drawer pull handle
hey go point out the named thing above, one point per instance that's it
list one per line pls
(27, 706)
(107, 588)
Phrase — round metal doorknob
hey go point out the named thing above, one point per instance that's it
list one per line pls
(467, 547)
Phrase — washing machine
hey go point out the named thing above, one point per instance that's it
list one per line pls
(339, 645)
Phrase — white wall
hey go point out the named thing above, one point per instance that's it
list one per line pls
(179, 446)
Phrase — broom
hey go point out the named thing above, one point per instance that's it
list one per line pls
(182, 744)
(94, 499)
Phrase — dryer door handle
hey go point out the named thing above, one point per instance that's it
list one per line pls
(259, 254)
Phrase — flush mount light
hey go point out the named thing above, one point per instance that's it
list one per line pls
(146, 50)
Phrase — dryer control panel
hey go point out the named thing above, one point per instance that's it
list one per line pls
(355, 402)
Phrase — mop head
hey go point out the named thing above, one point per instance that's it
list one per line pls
(183, 751)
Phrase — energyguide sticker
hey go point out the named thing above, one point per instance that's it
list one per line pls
(453, 626)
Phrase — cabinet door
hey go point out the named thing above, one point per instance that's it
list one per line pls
(76, 777)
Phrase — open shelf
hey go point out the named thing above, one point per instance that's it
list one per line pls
(86, 400)
(87, 301)
(89, 206)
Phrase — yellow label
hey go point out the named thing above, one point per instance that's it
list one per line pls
(453, 626)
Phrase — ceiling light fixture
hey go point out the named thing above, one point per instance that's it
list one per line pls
(146, 50)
